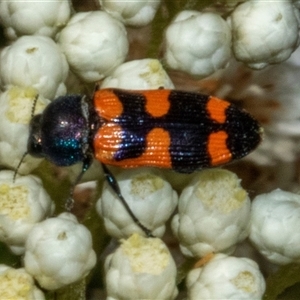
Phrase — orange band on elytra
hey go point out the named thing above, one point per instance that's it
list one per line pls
(217, 109)
(217, 148)
(107, 141)
(107, 104)
(157, 102)
(157, 152)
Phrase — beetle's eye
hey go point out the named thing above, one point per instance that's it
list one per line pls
(34, 145)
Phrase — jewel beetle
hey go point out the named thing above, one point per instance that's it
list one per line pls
(178, 130)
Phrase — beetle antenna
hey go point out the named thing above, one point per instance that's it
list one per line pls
(34, 105)
(116, 188)
(18, 166)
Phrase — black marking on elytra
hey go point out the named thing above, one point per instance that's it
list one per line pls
(244, 132)
(189, 125)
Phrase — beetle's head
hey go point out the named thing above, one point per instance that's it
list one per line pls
(60, 133)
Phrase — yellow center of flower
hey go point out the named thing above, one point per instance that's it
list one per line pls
(13, 201)
(15, 284)
(245, 281)
(145, 184)
(146, 255)
(21, 104)
(220, 189)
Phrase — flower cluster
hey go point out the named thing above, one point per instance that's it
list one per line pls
(54, 50)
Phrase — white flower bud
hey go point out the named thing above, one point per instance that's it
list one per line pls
(149, 196)
(264, 32)
(132, 13)
(18, 284)
(143, 74)
(33, 17)
(59, 252)
(15, 110)
(141, 268)
(275, 216)
(213, 214)
(23, 203)
(34, 61)
(94, 43)
(225, 277)
(198, 43)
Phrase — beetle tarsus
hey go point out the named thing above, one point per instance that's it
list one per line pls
(69, 204)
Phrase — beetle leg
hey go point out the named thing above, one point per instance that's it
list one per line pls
(86, 163)
(115, 186)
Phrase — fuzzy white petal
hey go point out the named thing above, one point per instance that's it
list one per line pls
(143, 74)
(213, 214)
(198, 43)
(264, 32)
(59, 252)
(150, 197)
(226, 277)
(94, 43)
(34, 61)
(33, 17)
(273, 213)
(15, 109)
(23, 203)
(132, 13)
(141, 268)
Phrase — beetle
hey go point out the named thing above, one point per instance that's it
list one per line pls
(178, 130)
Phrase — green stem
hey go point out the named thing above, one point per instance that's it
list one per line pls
(75, 291)
(284, 278)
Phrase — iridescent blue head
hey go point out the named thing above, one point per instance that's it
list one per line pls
(60, 134)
